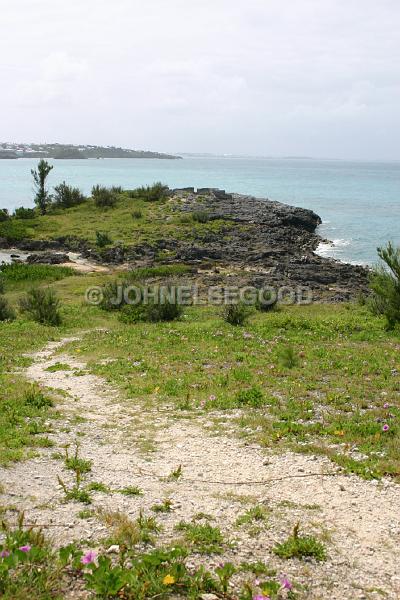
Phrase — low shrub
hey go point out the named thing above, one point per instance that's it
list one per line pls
(6, 312)
(102, 239)
(112, 297)
(152, 312)
(42, 306)
(385, 284)
(24, 213)
(104, 197)
(67, 196)
(236, 314)
(151, 193)
(201, 216)
(137, 214)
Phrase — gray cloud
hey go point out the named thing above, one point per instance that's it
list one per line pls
(308, 77)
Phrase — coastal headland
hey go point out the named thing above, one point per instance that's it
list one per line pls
(223, 238)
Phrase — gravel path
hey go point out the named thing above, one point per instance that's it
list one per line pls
(358, 521)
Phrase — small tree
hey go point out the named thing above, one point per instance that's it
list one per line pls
(385, 283)
(42, 196)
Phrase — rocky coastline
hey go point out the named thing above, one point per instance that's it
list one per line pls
(262, 242)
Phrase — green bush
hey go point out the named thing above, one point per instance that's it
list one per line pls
(385, 284)
(6, 312)
(236, 314)
(4, 216)
(102, 239)
(151, 193)
(24, 213)
(26, 272)
(13, 229)
(42, 306)
(104, 197)
(162, 308)
(67, 196)
(2, 284)
(151, 312)
(137, 214)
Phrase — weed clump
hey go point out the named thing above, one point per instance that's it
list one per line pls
(137, 214)
(299, 546)
(203, 539)
(102, 239)
(236, 314)
(34, 397)
(288, 357)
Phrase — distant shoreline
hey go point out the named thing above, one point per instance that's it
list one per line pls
(71, 151)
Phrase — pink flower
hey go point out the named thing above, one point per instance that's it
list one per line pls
(286, 583)
(385, 427)
(4, 554)
(386, 405)
(261, 597)
(24, 548)
(88, 558)
(212, 397)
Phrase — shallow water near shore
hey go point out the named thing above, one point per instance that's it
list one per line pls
(359, 202)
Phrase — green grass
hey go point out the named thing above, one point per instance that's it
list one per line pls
(159, 220)
(33, 273)
(160, 271)
(330, 399)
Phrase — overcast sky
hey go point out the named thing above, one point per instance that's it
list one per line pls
(265, 77)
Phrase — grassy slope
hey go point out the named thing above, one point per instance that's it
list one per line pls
(158, 221)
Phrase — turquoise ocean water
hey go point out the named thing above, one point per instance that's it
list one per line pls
(359, 202)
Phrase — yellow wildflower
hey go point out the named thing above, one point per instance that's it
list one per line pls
(168, 580)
